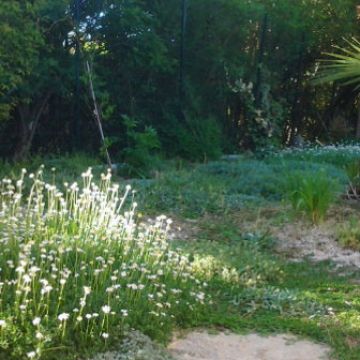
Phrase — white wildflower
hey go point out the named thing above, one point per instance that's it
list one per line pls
(63, 317)
(36, 321)
(31, 354)
(106, 309)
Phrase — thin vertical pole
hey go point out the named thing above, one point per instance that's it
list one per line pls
(260, 60)
(297, 89)
(182, 50)
(97, 114)
(77, 77)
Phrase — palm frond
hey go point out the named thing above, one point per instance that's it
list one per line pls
(342, 66)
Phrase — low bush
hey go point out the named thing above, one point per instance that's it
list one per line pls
(76, 271)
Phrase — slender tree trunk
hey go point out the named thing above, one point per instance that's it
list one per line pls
(29, 121)
(358, 123)
(97, 113)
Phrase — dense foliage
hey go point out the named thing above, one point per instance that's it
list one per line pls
(242, 79)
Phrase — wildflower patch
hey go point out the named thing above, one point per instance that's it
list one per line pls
(76, 269)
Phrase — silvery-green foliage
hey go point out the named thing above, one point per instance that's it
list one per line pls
(136, 346)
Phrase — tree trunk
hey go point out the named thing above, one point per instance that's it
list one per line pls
(358, 123)
(29, 120)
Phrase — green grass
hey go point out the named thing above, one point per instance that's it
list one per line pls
(251, 286)
(312, 194)
(348, 234)
(222, 187)
(306, 299)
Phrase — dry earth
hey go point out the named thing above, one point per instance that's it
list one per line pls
(318, 243)
(203, 346)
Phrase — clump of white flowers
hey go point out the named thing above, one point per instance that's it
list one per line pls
(338, 154)
(76, 267)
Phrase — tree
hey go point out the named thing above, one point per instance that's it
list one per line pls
(19, 50)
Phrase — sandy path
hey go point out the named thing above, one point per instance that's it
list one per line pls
(203, 346)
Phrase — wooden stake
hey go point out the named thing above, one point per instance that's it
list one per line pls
(97, 113)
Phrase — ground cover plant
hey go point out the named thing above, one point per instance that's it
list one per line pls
(224, 186)
(339, 154)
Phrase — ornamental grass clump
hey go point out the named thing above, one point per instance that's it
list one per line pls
(311, 194)
(76, 270)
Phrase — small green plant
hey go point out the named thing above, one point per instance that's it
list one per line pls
(140, 155)
(311, 194)
(348, 234)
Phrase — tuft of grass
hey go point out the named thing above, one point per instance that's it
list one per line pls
(348, 234)
(311, 194)
(353, 173)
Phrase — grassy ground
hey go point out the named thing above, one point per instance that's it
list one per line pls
(275, 295)
(253, 287)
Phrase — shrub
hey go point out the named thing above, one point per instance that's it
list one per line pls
(76, 271)
(139, 155)
(198, 138)
(311, 193)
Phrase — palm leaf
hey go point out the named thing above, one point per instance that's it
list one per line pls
(343, 66)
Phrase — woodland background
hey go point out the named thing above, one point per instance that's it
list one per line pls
(183, 78)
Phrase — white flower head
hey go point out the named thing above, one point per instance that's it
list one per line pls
(106, 309)
(87, 290)
(63, 317)
(36, 321)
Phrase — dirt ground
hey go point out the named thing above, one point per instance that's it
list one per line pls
(318, 243)
(203, 346)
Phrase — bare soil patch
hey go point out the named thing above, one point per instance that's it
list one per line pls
(318, 243)
(203, 346)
